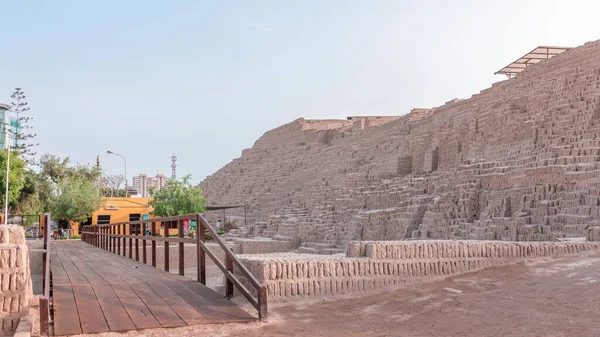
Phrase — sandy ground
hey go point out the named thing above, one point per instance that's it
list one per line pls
(547, 298)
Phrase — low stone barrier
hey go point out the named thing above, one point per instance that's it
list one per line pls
(439, 249)
(15, 278)
(381, 264)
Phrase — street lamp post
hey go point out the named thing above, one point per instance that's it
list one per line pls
(7, 174)
(125, 162)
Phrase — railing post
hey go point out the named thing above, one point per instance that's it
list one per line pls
(144, 226)
(44, 315)
(200, 255)
(228, 283)
(114, 239)
(153, 244)
(137, 242)
(262, 302)
(45, 259)
(118, 239)
(180, 235)
(45, 298)
(166, 243)
(130, 241)
(124, 239)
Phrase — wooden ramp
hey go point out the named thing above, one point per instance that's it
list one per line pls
(96, 291)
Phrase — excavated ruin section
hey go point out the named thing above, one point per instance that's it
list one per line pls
(517, 161)
(386, 264)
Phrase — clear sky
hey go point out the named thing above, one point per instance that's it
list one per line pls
(204, 79)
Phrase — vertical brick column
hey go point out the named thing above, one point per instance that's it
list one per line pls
(15, 278)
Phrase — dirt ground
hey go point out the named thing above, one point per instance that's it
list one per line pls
(558, 297)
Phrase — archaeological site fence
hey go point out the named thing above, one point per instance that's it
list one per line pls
(125, 238)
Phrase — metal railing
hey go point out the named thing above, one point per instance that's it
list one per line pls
(111, 237)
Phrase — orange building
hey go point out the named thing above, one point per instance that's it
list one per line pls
(115, 210)
(122, 209)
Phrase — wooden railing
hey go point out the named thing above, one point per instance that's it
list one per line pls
(45, 297)
(112, 237)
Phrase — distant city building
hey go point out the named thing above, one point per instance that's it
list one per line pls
(143, 183)
(9, 127)
(139, 184)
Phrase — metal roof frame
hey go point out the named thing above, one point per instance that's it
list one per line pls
(535, 56)
(216, 208)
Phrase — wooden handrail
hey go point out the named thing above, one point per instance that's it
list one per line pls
(229, 253)
(111, 236)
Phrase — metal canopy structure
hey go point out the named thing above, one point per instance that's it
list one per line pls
(216, 208)
(537, 55)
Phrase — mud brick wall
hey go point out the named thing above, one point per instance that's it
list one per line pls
(15, 277)
(378, 265)
(517, 161)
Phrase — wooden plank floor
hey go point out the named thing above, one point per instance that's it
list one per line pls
(97, 291)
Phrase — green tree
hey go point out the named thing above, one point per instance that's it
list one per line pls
(16, 177)
(77, 199)
(58, 169)
(54, 167)
(35, 194)
(23, 136)
(68, 192)
(177, 197)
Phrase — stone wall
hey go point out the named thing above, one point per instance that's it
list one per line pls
(385, 264)
(517, 161)
(15, 278)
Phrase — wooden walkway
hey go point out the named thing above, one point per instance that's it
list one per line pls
(96, 291)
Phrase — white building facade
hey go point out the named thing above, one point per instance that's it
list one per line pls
(143, 183)
(8, 127)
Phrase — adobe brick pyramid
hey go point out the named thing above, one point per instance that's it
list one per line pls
(518, 161)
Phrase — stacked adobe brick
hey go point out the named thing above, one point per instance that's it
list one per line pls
(373, 265)
(15, 278)
(517, 161)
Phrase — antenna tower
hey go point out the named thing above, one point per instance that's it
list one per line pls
(173, 167)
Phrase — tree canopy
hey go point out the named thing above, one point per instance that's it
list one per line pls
(16, 177)
(73, 194)
(77, 199)
(36, 193)
(58, 169)
(23, 136)
(177, 197)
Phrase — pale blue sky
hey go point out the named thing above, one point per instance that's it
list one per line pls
(205, 79)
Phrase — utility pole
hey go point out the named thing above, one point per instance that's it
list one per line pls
(124, 162)
(7, 174)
